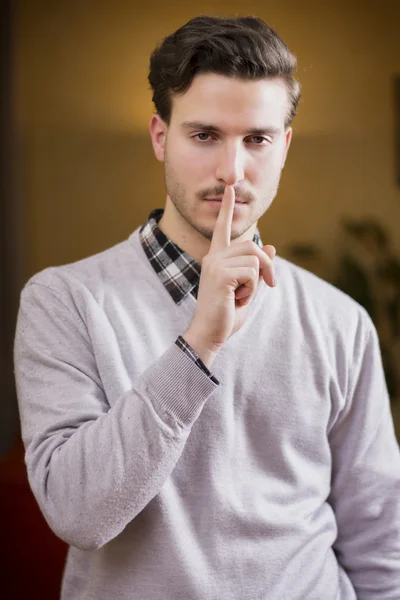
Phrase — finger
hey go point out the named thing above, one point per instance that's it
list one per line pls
(250, 248)
(240, 302)
(222, 231)
(250, 261)
(242, 276)
(269, 251)
(242, 292)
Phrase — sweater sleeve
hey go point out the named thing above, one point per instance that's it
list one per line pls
(365, 492)
(92, 467)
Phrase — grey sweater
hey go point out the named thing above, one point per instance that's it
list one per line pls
(281, 483)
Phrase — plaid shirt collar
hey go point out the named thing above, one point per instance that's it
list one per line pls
(179, 272)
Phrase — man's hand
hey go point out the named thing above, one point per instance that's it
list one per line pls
(229, 278)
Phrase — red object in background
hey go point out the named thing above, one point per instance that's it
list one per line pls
(31, 557)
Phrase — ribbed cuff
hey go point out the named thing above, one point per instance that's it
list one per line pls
(177, 384)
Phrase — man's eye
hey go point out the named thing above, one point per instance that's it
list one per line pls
(203, 137)
(258, 139)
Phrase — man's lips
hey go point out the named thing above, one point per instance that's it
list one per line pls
(219, 199)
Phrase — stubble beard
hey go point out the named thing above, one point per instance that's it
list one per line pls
(177, 193)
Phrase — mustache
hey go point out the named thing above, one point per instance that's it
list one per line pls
(219, 191)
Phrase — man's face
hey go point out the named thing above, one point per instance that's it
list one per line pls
(223, 131)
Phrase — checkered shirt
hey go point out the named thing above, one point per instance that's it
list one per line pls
(179, 272)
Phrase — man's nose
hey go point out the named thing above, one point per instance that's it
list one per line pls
(230, 167)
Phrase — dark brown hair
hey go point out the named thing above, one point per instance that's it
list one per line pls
(243, 47)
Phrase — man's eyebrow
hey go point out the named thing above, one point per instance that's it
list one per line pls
(214, 129)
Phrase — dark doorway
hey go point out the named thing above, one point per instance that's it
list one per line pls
(11, 254)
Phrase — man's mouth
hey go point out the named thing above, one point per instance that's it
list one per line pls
(219, 199)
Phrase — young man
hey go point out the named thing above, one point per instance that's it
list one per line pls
(193, 430)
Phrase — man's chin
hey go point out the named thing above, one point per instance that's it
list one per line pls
(207, 232)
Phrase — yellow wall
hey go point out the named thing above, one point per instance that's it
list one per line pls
(88, 175)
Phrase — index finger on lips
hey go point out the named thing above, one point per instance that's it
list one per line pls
(222, 231)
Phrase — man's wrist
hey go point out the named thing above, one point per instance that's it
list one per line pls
(200, 346)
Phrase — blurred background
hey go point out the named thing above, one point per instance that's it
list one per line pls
(78, 175)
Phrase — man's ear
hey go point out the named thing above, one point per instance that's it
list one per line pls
(288, 139)
(158, 132)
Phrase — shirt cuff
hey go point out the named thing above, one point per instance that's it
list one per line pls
(188, 350)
